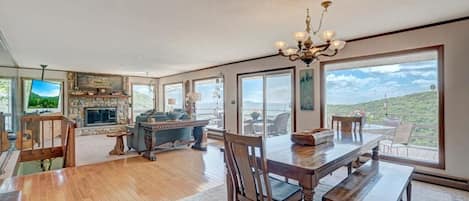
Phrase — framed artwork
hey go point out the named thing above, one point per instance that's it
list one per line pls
(307, 89)
(98, 81)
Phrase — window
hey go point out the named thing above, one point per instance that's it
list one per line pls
(173, 96)
(143, 99)
(26, 93)
(210, 105)
(398, 95)
(6, 102)
(266, 103)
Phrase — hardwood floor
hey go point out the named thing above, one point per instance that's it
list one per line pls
(175, 175)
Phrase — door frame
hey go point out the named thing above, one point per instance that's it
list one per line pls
(291, 69)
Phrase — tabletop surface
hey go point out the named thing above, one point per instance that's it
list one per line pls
(281, 150)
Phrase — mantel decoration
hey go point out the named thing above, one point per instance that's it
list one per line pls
(306, 50)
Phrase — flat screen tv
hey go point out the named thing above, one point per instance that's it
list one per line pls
(44, 95)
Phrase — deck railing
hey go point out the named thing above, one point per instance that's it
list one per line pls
(46, 137)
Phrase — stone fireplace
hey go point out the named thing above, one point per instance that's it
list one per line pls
(94, 111)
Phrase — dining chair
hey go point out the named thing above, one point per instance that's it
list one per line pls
(247, 165)
(279, 125)
(401, 139)
(346, 124)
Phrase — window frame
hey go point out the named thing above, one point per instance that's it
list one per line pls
(164, 94)
(132, 96)
(265, 72)
(439, 49)
(223, 97)
(12, 99)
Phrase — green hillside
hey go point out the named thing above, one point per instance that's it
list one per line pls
(417, 108)
(37, 101)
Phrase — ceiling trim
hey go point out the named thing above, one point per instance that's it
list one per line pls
(348, 41)
(4, 44)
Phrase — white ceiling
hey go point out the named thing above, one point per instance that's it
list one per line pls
(166, 37)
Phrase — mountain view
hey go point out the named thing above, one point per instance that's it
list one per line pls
(418, 108)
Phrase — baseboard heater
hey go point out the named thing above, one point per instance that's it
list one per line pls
(458, 183)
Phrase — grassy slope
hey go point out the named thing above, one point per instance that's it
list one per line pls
(418, 108)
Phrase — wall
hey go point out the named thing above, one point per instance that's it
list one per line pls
(453, 36)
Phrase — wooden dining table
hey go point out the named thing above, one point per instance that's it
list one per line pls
(308, 164)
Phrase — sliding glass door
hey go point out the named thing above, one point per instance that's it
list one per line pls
(266, 101)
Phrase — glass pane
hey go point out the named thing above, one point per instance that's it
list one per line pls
(143, 99)
(6, 101)
(210, 105)
(278, 107)
(252, 105)
(398, 100)
(173, 92)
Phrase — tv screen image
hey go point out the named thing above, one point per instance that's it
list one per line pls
(44, 95)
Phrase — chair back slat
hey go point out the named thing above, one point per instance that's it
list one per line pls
(345, 124)
(403, 133)
(248, 166)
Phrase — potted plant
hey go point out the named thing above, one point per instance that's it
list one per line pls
(255, 115)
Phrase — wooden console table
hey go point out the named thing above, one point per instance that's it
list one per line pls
(152, 127)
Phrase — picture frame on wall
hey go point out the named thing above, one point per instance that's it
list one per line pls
(307, 89)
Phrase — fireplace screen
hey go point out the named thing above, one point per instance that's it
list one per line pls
(100, 116)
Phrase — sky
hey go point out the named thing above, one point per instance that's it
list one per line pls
(46, 89)
(358, 85)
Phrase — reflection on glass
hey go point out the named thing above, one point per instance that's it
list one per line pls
(6, 101)
(252, 105)
(143, 99)
(173, 91)
(278, 107)
(210, 106)
(267, 104)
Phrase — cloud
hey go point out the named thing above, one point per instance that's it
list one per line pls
(348, 80)
(424, 83)
(382, 69)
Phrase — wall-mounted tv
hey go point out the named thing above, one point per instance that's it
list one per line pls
(44, 95)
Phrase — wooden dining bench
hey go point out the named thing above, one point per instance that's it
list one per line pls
(375, 180)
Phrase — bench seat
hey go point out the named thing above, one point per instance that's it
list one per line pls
(374, 180)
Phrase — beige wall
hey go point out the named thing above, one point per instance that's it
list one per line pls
(454, 37)
(36, 74)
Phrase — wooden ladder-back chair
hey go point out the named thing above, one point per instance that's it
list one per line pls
(247, 165)
(345, 124)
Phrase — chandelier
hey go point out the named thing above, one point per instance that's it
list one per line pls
(306, 50)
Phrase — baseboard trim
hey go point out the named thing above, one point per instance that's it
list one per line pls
(442, 180)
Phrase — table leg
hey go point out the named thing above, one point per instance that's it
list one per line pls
(308, 183)
(375, 154)
(149, 142)
(409, 191)
(200, 139)
(118, 147)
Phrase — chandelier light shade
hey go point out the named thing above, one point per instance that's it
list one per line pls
(306, 50)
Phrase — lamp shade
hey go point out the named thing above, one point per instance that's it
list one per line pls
(171, 101)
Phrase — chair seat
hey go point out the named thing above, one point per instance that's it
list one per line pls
(282, 190)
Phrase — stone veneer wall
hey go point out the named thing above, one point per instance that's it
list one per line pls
(77, 105)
